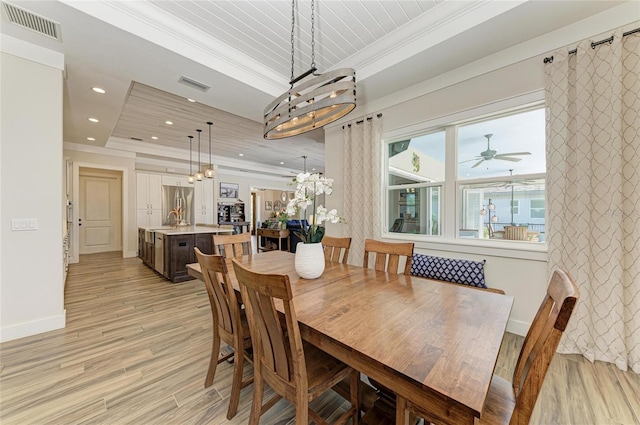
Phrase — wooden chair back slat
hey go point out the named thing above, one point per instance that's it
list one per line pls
(541, 343)
(220, 290)
(259, 291)
(232, 246)
(334, 247)
(387, 255)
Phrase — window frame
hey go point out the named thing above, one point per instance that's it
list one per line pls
(449, 195)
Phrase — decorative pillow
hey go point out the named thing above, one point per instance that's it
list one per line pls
(449, 269)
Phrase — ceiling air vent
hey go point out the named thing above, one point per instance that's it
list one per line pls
(193, 84)
(136, 139)
(31, 21)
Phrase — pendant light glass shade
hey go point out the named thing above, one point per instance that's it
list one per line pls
(199, 175)
(191, 178)
(209, 172)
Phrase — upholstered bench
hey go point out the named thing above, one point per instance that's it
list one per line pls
(451, 270)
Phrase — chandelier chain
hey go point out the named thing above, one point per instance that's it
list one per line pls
(313, 39)
(293, 27)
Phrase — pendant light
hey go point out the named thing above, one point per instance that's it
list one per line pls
(209, 172)
(191, 178)
(314, 103)
(199, 175)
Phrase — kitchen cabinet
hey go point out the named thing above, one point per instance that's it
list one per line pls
(178, 252)
(145, 248)
(148, 200)
(171, 180)
(203, 201)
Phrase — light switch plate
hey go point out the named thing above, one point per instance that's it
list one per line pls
(23, 224)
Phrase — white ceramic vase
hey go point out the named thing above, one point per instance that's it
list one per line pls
(309, 260)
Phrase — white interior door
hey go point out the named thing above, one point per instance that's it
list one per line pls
(100, 211)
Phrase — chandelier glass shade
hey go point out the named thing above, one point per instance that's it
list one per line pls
(209, 172)
(191, 178)
(315, 101)
(199, 174)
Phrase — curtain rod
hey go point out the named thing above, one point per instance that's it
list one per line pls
(362, 120)
(609, 40)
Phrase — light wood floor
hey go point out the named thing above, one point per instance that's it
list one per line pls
(135, 351)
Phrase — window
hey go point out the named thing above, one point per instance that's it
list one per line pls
(415, 176)
(500, 165)
(537, 208)
(515, 206)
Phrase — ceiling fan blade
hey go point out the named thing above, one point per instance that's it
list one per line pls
(469, 160)
(513, 153)
(478, 163)
(507, 158)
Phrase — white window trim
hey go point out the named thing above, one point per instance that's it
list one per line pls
(448, 241)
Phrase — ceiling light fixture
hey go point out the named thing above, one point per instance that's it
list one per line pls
(199, 175)
(91, 139)
(240, 154)
(190, 100)
(94, 120)
(168, 122)
(191, 178)
(98, 90)
(154, 137)
(209, 172)
(313, 103)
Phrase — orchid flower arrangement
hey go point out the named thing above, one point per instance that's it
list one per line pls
(308, 187)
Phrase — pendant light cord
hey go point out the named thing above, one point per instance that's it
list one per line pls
(293, 27)
(190, 165)
(313, 38)
(210, 124)
(199, 163)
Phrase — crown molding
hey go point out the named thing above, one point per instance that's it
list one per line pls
(25, 50)
(147, 21)
(444, 21)
(145, 148)
(97, 150)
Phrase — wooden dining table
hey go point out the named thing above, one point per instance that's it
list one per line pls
(434, 344)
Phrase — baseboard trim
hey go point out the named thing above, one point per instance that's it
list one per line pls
(22, 330)
(517, 327)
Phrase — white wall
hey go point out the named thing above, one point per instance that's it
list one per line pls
(31, 176)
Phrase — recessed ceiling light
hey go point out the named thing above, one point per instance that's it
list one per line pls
(281, 163)
(154, 137)
(168, 122)
(93, 120)
(190, 100)
(91, 139)
(99, 90)
(313, 169)
(240, 154)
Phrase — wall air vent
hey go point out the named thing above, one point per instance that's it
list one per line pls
(31, 21)
(193, 84)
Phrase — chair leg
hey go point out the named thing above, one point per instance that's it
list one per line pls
(256, 403)
(236, 385)
(355, 395)
(213, 362)
(302, 406)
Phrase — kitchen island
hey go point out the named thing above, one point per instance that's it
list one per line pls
(168, 250)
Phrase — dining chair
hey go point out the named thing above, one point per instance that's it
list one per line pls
(231, 246)
(387, 255)
(513, 402)
(334, 247)
(294, 369)
(229, 325)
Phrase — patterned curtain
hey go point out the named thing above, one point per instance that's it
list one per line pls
(593, 191)
(362, 184)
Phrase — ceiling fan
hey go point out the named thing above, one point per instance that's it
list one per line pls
(490, 154)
